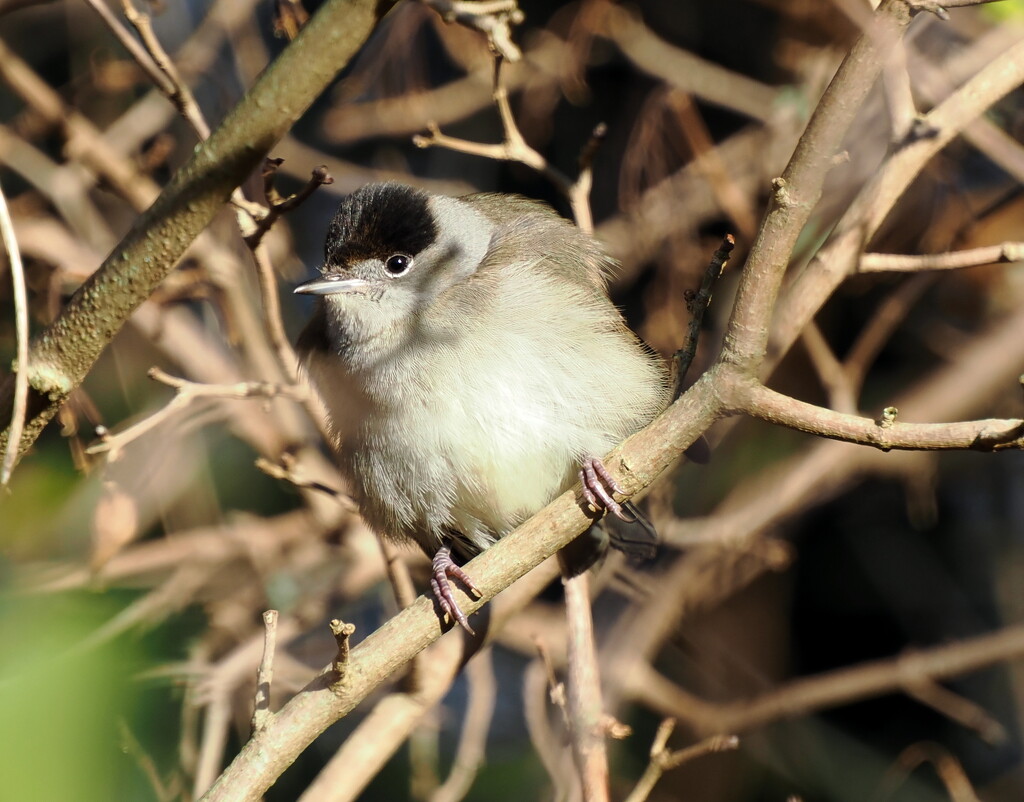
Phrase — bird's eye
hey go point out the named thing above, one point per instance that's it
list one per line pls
(398, 264)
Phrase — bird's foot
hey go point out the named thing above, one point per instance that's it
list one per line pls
(598, 486)
(444, 567)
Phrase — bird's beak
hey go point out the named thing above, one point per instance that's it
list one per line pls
(330, 285)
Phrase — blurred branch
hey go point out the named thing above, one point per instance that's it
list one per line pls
(835, 688)
(265, 673)
(84, 142)
(734, 202)
(889, 314)
(221, 545)
(831, 373)
(461, 98)
(470, 753)
(685, 199)
(186, 393)
(957, 708)
(20, 402)
(585, 707)
(682, 69)
(939, 8)
(493, 18)
(662, 759)
(950, 772)
(953, 260)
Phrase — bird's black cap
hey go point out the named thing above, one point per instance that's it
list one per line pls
(379, 220)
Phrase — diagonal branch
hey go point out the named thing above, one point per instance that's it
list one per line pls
(637, 462)
(798, 190)
(62, 355)
(808, 292)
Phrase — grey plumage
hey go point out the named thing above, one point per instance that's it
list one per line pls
(466, 388)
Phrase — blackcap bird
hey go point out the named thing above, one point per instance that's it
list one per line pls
(472, 367)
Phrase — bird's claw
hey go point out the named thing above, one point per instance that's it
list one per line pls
(598, 486)
(443, 567)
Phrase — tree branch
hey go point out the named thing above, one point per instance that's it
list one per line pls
(798, 190)
(636, 464)
(885, 433)
(62, 355)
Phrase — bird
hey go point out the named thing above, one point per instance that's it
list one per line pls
(473, 367)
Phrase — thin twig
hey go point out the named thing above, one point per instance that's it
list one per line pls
(698, 305)
(288, 470)
(273, 320)
(889, 315)
(938, 7)
(167, 78)
(493, 18)
(953, 260)
(662, 759)
(950, 772)
(185, 393)
(265, 673)
(831, 372)
(398, 574)
(136, 50)
(514, 147)
(21, 329)
(579, 192)
(342, 632)
(957, 708)
(885, 433)
(163, 792)
(276, 203)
